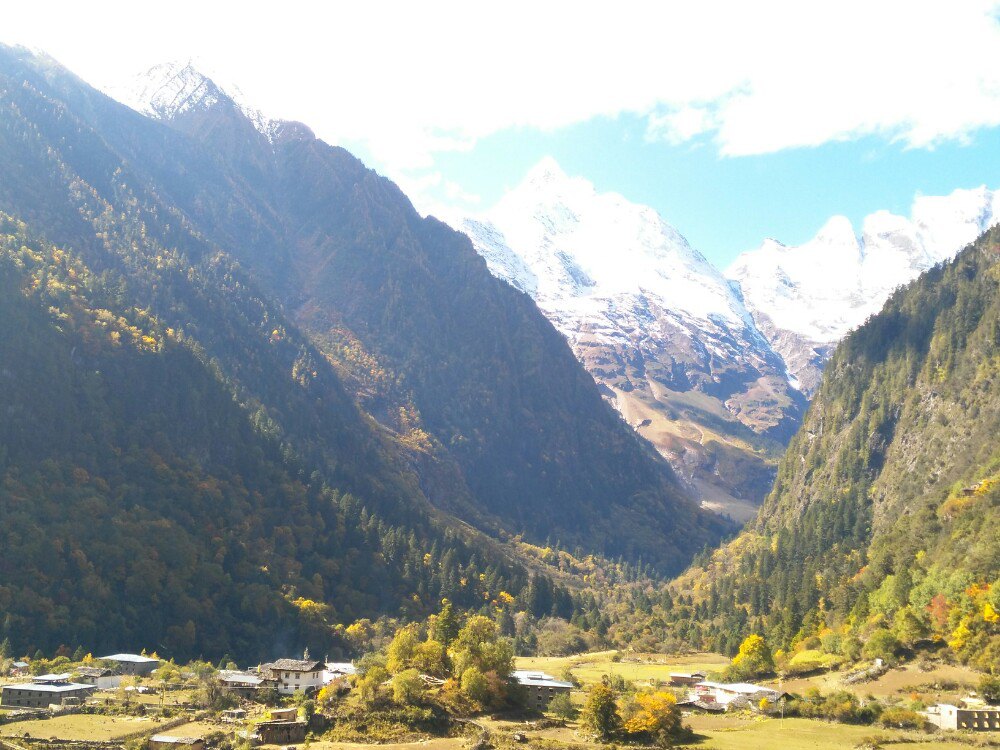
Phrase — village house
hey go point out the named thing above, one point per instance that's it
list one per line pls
(970, 718)
(43, 694)
(133, 664)
(724, 694)
(283, 728)
(540, 687)
(100, 677)
(170, 742)
(19, 668)
(241, 683)
(293, 675)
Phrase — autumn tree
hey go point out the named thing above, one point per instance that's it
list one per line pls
(754, 659)
(654, 716)
(600, 712)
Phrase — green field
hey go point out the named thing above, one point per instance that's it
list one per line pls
(79, 727)
(641, 669)
(727, 733)
(444, 743)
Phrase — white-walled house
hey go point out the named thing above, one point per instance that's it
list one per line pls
(724, 693)
(293, 675)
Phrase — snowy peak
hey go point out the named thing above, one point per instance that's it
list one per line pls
(666, 336)
(811, 295)
(170, 90)
(571, 242)
(545, 174)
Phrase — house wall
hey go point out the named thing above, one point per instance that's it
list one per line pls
(155, 744)
(978, 719)
(540, 696)
(290, 682)
(281, 732)
(26, 697)
(141, 669)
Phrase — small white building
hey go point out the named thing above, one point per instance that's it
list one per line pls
(724, 693)
(293, 675)
(100, 677)
(336, 670)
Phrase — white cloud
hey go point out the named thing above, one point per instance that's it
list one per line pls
(413, 79)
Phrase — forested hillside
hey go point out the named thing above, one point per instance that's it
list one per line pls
(881, 530)
(504, 428)
(250, 396)
(141, 504)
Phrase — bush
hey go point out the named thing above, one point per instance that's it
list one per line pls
(562, 706)
(882, 644)
(901, 718)
(407, 687)
(475, 686)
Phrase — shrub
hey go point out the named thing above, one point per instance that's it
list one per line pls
(901, 718)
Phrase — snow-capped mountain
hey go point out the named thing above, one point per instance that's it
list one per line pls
(173, 89)
(661, 330)
(806, 298)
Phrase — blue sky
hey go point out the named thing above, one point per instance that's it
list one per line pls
(737, 121)
(725, 205)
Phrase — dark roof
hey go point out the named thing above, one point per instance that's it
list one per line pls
(94, 671)
(295, 665)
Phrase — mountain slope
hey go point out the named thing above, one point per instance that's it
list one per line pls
(141, 503)
(806, 298)
(312, 288)
(478, 370)
(657, 326)
(884, 512)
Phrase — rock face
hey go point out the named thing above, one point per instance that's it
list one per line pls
(508, 431)
(806, 298)
(664, 334)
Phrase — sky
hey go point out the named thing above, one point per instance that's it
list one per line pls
(736, 121)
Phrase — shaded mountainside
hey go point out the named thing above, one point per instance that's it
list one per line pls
(884, 514)
(662, 332)
(319, 353)
(444, 353)
(139, 503)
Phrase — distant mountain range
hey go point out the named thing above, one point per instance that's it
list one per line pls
(806, 298)
(714, 369)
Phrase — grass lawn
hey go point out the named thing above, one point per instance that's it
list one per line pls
(197, 729)
(725, 733)
(79, 727)
(637, 668)
(445, 743)
(901, 681)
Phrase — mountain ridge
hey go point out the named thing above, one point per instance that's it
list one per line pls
(665, 335)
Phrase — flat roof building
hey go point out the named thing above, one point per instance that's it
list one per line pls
(41, 695)
(170, 742)
(725, 693)
(541, 687)
(133, 663)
